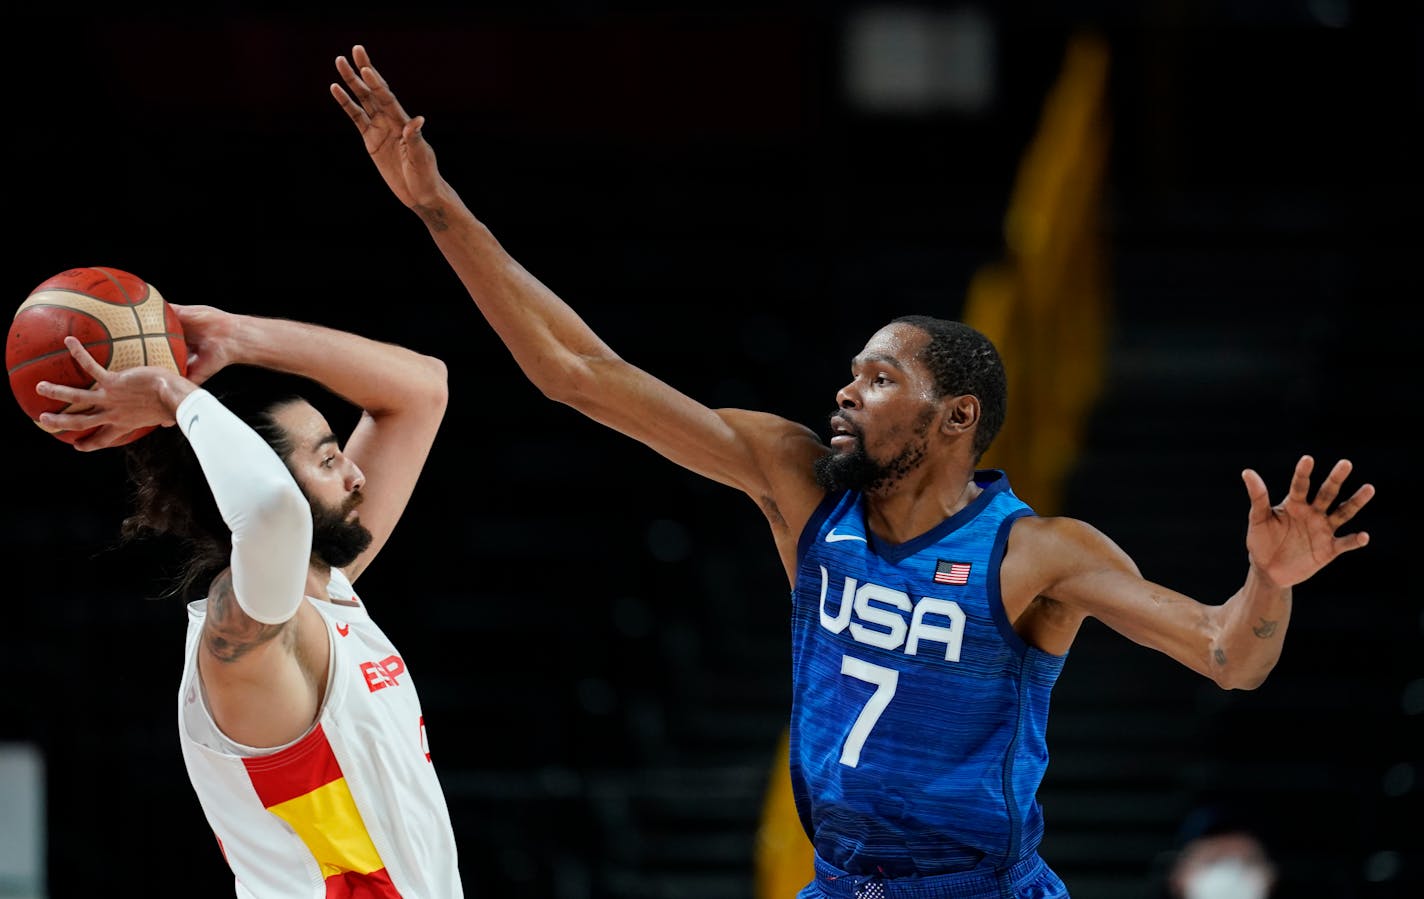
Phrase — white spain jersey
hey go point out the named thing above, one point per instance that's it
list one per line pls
(354, 807)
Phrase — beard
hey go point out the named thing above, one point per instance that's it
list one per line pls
(856, 470)
(335, 541)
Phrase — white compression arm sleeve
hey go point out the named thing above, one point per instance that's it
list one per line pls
(268, 515)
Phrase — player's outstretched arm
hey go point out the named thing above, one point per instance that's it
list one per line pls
(1236, 643)
(763, 455)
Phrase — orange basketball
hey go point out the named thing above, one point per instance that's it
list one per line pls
(121, 320)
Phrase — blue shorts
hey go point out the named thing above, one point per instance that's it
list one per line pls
(1029, 879)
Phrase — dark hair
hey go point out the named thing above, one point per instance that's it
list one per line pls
(170, 494)
(964, 361)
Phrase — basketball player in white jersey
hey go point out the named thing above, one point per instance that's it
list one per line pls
(300, 725)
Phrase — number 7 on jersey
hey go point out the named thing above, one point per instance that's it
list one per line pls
(885, 681)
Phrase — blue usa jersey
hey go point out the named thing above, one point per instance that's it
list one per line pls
(917, 727)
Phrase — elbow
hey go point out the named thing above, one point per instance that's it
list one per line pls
(429, 383)
(1229, 676)
(1233, 681)
(439, 380)
(573, 381)
(424, 393)
(439, 371)
(270, 557)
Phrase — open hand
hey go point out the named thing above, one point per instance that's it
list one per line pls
(1295, 538)
(392, 137)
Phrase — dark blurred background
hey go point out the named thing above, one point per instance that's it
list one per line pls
(736, 195)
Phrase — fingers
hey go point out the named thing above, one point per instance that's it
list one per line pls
(1300, 481)
(86, 361)
(358, 53)
(372, 95)
(62, 392)
(1330, 487)
(359, 88)
(1256, 490)
(1348, 542)
(68, 421)
(102, 438)
(379, 98)
(1330, 491)
(369, 86)
(1351, 506)
(352, 109)
(357, 109)
(1325, 496)
(78, 400)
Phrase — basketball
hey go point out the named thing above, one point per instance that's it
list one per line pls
(119, 317)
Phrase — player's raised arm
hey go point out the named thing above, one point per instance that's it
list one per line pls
(402, 395)
(763, 455)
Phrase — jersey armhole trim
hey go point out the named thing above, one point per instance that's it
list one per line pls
(993, 588)
(818, 518)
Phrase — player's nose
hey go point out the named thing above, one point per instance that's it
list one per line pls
(847, 397)
(355, 477)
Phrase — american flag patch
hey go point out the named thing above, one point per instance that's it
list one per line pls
(951, 572)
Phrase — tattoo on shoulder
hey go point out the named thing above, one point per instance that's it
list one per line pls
(1265, 628)
(1220, 656)
(228, 633)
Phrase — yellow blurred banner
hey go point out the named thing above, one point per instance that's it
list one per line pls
(784, 859)
(1047, 304)
(1047, 307)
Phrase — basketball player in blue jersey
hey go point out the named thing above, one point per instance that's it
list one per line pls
(932, 608)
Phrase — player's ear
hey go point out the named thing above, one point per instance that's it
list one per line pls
(961, 413)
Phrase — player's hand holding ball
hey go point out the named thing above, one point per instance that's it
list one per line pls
(96, 358)
(212, 337)
(118, 407)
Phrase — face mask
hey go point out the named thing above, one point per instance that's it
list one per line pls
(1228, 879)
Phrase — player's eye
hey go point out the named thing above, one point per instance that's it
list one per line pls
(328, 461)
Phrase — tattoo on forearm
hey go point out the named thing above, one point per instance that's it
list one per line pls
(1265, 628)
(1220, 656)
(229, 634)
(434, 218)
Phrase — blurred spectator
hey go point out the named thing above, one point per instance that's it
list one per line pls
(1220, 854)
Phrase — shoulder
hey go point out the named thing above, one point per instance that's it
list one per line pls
(784, 450)
(1056, 545)
(220, 587)
(1041, 528)
(772, 430)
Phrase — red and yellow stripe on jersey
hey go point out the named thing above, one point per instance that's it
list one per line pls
(304, 786)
